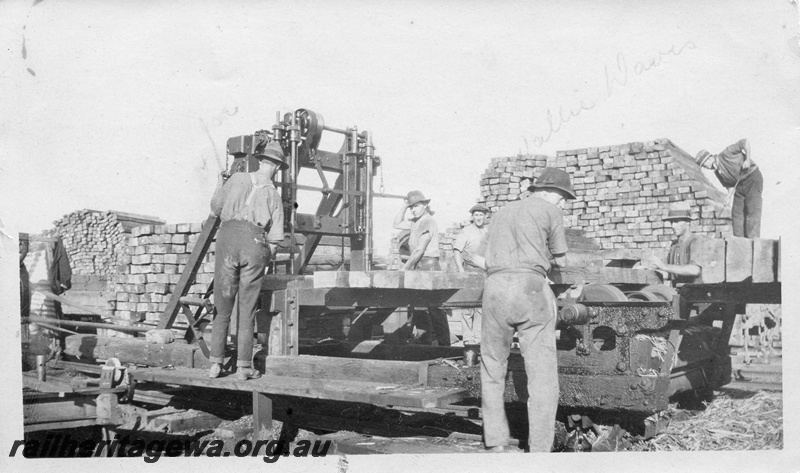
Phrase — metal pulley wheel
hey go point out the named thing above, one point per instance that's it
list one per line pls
(602, 293)
(662, 291)
(311, 128)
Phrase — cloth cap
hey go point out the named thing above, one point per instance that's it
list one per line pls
(679, 215)
(273, 152)
(702, 157)
(479, 208)
(552, 178)
(414, 197)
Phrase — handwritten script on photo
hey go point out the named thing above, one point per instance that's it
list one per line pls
(616, 78)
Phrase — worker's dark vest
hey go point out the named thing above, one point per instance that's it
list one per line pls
(680, 254)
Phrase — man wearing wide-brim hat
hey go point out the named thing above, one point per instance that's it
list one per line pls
(424, 234)
(680, 266)
(738, 173)
(469, 248)
(526, 238)
(251, 211)
(423, 242)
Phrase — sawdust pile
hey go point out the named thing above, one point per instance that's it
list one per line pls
(735, 420)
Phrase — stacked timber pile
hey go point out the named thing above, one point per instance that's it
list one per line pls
(155, 256)
(94, 239)
(622, 191)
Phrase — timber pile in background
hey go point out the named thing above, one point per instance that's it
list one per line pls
(94, 239)
(622, 191)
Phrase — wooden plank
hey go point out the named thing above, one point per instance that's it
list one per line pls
(584, 259)
(388, 279)
(130, 350)
(738, 259)
(709, 254)
(326, 279)
(325, 367)
(387, 298)
(746, 293)
(575, 275)
(436, 280)
(428, 280)
(144, 219)
(380, 394)
(262, 417)
(604, 275)
(360, 279)
(621, 254)
(765, 263)
(424, 279)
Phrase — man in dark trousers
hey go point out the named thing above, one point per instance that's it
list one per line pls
(739, 174)
(251, 211)
(525, 239)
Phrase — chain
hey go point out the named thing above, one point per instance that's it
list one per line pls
(381, 188)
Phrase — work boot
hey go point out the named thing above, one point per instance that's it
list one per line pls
(215, 370)
(243, 374)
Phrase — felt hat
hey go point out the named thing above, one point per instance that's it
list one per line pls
(273, 152)
(679, 214)
(702, 157)
(479, 208)
(414, 197)
(552, 178)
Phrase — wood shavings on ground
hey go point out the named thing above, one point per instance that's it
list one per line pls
(734, 420)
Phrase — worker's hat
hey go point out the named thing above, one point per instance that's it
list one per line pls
(273, 152)
(414, 197)
(679, 214)
(552, 178)
(702, 157)
(479, 208)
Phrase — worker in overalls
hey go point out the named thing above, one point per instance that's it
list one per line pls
(526, 239)
(251, 211)
(423, 244)
(738, 173)
(469, 248)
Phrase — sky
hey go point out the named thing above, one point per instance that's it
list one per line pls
(128, 105)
